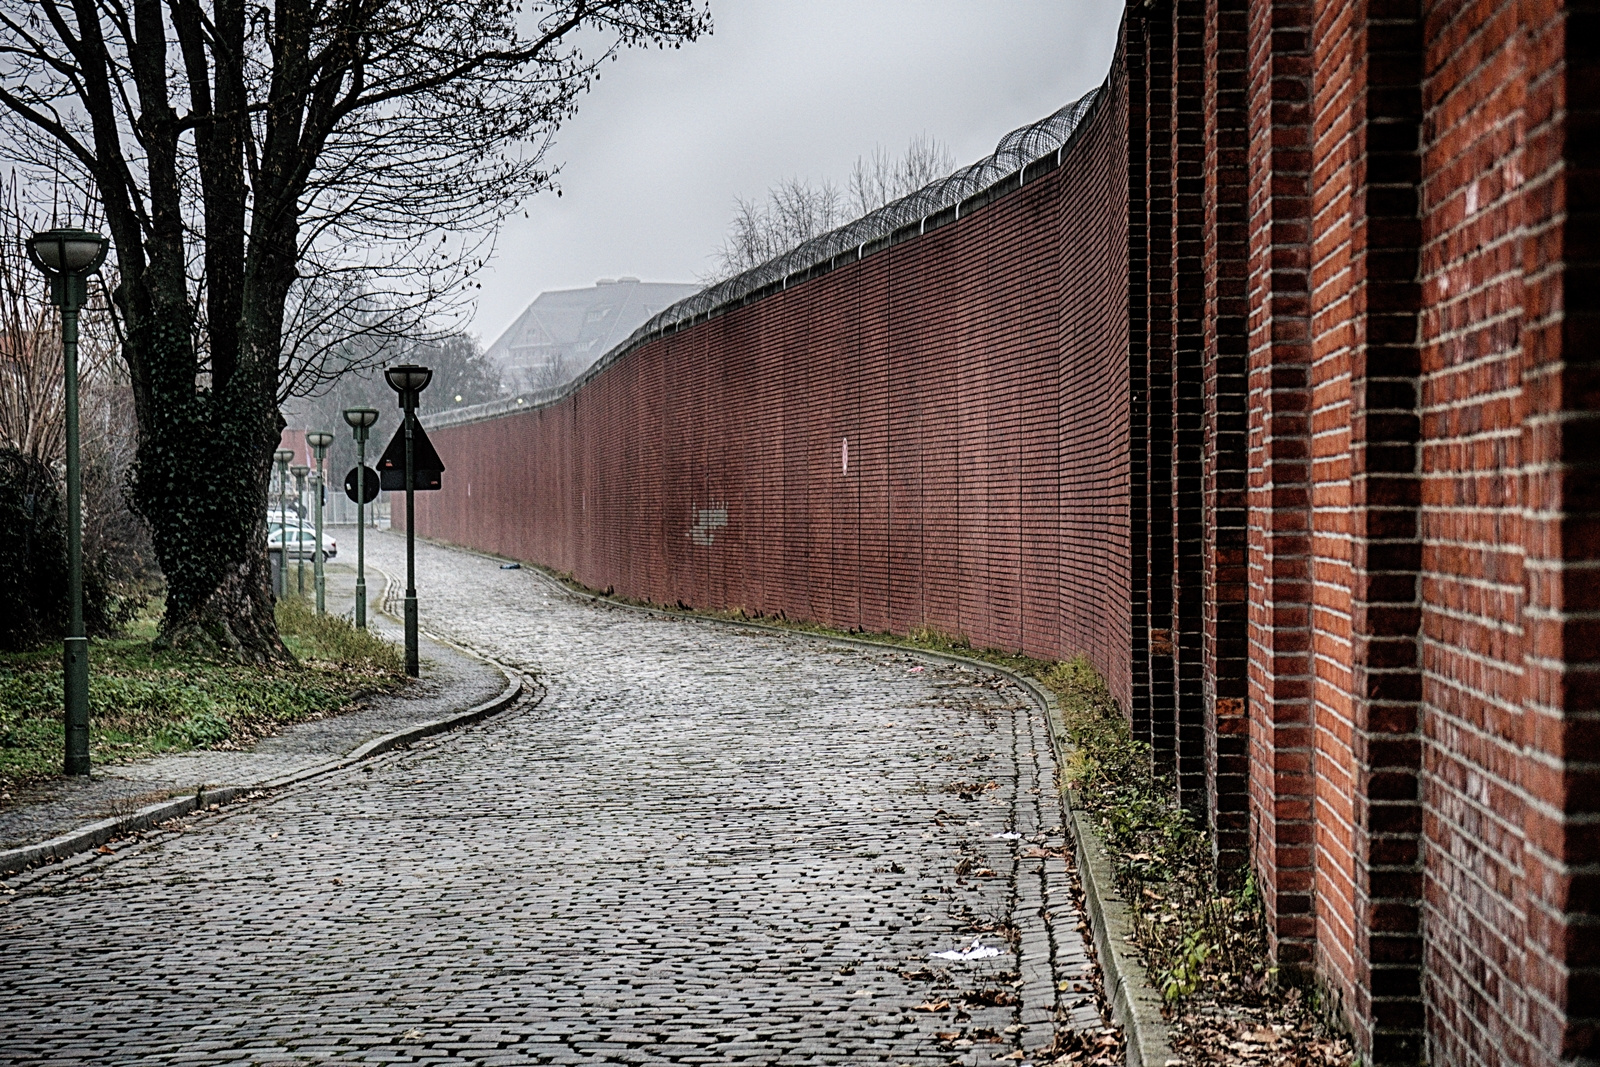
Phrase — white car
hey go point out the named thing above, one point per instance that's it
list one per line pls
(306, 545)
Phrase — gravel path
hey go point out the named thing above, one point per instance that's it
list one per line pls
(702, 846)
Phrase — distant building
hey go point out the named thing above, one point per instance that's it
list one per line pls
(561, 333)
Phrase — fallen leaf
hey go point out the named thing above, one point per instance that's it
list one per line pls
(933, 1005)
(106, 850)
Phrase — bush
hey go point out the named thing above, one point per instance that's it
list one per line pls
(33, 561)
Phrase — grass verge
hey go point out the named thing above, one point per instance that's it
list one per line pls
(143, 701)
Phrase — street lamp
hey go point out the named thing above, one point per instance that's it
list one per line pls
(283, 456)
(319, 440)
(67, 257)
(361, 421)
(299, 470)
(409, 380)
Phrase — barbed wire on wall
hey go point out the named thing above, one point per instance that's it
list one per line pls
(1022, 155)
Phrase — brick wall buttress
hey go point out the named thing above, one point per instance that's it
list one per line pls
(1279, 471)
(1133, 47)
(1224, 429)
(1159, 318)
(1561, 452)
(1188, 577)
(1366, 493)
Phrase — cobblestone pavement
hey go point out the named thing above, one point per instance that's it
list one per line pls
(702, 846)
(451, 682)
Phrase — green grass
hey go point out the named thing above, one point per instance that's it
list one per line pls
(144, 701)
(334, 640)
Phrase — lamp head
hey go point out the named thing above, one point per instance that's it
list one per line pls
(319, 440)
(299, 470)
(283, 456)
(67, 251)
(408, 379)
(360, 418)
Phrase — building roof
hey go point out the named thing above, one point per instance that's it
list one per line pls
(572, 328)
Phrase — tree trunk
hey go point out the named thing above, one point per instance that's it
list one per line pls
(201, 483)
(236, 620)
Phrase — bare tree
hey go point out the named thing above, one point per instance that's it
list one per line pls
(794, 212)
(276, 173)
(797, 210)
(32, 394)
(880, 179)
(116, 547)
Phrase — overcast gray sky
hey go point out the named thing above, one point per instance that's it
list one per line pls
(784, 88)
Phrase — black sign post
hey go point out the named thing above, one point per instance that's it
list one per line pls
(409, 380)
(363, 492)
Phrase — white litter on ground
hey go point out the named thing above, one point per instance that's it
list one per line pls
(1008, 837)
(975, 951)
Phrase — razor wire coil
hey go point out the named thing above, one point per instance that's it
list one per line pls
(1009, 166)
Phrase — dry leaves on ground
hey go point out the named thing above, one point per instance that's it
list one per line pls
(1282, 1032)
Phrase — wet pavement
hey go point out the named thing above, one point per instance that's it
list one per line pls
(703, 845)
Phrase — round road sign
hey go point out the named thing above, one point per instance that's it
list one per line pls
(370, 483)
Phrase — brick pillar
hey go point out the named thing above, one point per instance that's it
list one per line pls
(1560, 448)
(1133, 52)
(1366, 303)
(1226, 306)
(1386, 608)
(1188, 183)
(1158, 383)
(1278, 285)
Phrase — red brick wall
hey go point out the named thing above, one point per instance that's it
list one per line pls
(1501, 595)
(1277, 398)
(977, 376)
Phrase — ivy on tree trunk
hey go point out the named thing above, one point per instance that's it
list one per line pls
(277, 178)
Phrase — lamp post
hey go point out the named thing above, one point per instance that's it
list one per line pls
(299, 471)
(409, 380)
(320, 440)
(283, 456)
(67, 257)
(361, 421)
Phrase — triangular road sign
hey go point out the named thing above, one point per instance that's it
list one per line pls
(425, 461)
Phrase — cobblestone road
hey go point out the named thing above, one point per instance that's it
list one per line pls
(702, 846)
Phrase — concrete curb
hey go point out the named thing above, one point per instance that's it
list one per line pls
(1135, 1003)
(96, 834)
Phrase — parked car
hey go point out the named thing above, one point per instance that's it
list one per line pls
(306, 547)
